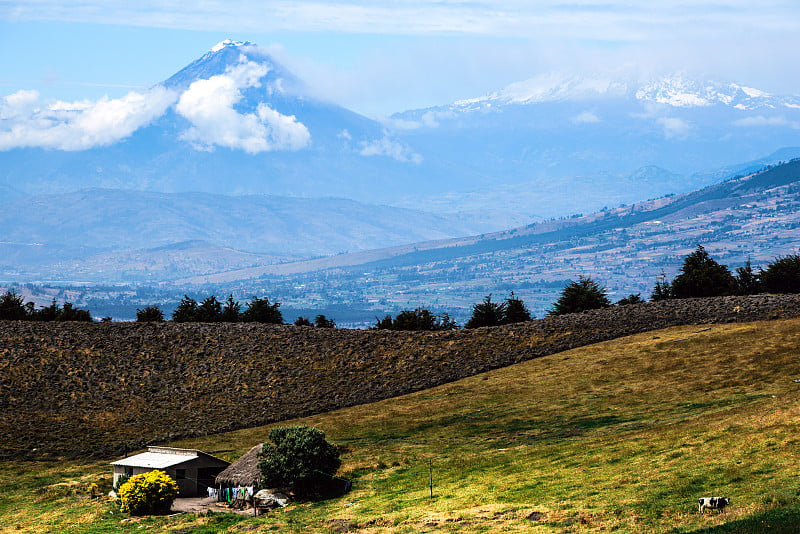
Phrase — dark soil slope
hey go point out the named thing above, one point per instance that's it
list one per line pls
(101, 388)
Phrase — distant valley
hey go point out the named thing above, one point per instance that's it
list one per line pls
(105, 235)
(626, 249)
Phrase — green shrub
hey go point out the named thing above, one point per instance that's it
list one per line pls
(148, 493)
(299, 458)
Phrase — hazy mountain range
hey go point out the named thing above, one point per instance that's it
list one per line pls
(626, 249)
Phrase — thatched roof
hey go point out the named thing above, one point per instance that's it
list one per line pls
(242, 472)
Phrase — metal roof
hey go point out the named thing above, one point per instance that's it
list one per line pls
(155, 460)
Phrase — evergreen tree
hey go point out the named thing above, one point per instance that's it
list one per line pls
(71, 313)
(662, 289)
(262, 311)
(384, 324)
(209, 311)
(633, 298)
(150, 314)
(486, 313)
(515, 311)
(446, 323)
(320, 321)
(782, 275)
(701, 276)
(186, 311)
(747, 280)
(11, 307)
(231, 312)
(47, 313)
(585, 294)
(419, 319)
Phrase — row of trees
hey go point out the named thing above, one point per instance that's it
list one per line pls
(485, 313)
(702, 276)
(699, 276)
(13, 308)
(419, 319)
(211, 310)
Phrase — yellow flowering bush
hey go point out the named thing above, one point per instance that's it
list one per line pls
(148, 493)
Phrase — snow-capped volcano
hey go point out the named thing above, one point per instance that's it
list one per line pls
(233, 121)
(222, 56)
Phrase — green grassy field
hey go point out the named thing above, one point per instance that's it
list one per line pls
(620, 436)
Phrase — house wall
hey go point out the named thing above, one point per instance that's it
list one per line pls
(187, 485)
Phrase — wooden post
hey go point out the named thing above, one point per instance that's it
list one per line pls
(430, 476)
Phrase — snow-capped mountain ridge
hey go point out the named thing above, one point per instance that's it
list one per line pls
(675, 90)
(678, 91)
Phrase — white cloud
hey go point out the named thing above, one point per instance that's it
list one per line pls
(760, 120)
(674, 128)
(587, 117)
(209, 105)
(429, 119)
(390, 148)
(24, 122)
(584, 19)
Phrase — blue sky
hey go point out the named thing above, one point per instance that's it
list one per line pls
(377, 57)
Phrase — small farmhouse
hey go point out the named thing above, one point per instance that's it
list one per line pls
(193, 470)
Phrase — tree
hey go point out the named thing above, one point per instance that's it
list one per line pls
(585, 294)
(420, 319)
(232, 311)
(11, 307)
(71, 313)
(320, 321)
(186, 311)
(515, 311)
(747, 280)
(446, 323)
(47, 313)
(384, 324)
(702, 276)
(662, 289)
(782, 275)
(209, 311)
(633, 298)
(150, 314)
(303, 321)
(486, 313)
(299, 457)
(148, 493)
(262, 311)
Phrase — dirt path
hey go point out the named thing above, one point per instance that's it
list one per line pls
(197, 505)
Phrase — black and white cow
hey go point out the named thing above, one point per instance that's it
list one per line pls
(713, 503)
